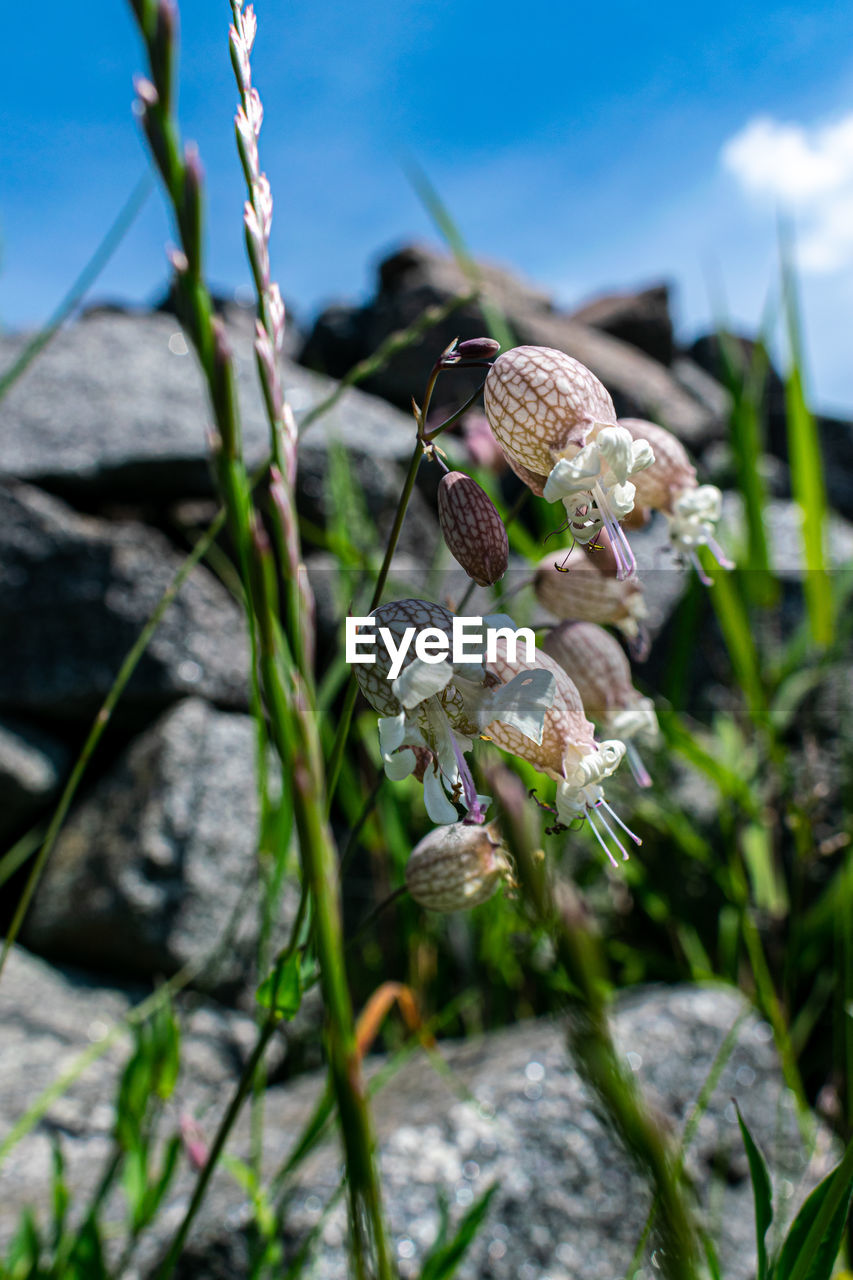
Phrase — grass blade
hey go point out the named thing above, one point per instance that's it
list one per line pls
(762, 1193)
(805, 459)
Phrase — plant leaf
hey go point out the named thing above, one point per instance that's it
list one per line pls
(802, 1258)
(282, 989)
(762, 1192)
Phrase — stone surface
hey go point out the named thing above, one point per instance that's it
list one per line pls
(50, 1017)
(568, 1204)
(32, 765)
(115, 409)
(78, 590)
(416, 278)
(642, 319)
(157, 866)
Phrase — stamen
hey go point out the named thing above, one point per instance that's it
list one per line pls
(697, 565)
(719, 554)
(600, 839)
(615, 815)
(613, 836)
(476, 812)
(625, 561)
(635, 764)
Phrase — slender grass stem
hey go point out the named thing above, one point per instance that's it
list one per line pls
(225, 1126)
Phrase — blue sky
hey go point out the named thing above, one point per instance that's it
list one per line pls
(589, 146)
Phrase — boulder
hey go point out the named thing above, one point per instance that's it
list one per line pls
(32, 764)
(416, 278)
(511, 1110)
(78, 590)
(115, 410)
(157, 868)
(642, 319)
(50, 1017)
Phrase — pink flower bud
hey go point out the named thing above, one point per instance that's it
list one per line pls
(457, 867)
(478, 348)
(472, 528)
(541, 402)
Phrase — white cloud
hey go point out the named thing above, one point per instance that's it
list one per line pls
(806, 170)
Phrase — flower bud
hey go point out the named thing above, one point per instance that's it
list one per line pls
(579, 591)
(473, 530)
(478, 348)
(541, 402)
(456, 867)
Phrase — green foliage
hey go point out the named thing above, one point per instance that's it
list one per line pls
(762, 1193)
(445, 1255)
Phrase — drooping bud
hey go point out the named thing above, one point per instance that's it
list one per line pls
(457, 867)
(478, 348)
(601, 672)
(579, 591)
(541, 402)
(472, 528)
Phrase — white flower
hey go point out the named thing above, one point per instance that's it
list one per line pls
(695, 513)
(443, 706)
(669, 485)
(596, 491)
(566, 751)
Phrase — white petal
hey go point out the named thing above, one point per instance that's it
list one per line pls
(400, 764)
(523, 703)
(568, 475)
(621, 499)
(392, 732)
(421, 680)
(616, 447)
(642, 456)
(439, 808)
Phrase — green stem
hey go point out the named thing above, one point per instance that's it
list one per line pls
(595, 1054)
(226, 1124)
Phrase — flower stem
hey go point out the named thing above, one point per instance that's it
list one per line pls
(592, 1045)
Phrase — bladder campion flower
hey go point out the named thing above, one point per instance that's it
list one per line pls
(443, 706)
(669, 485)
(601, 672)
(567, 752)
(572, 587)
(557, 425)
(457, 867)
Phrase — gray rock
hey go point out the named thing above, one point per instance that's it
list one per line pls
(31, 767)
(642, 319)
(569, 1205)
(78, 590)
(115, 409)
(50, 1017)
(512, 1110)
(416, 278)
(158, 864)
